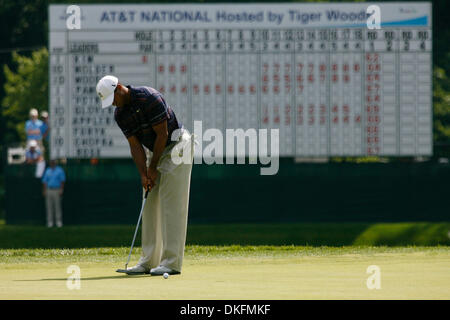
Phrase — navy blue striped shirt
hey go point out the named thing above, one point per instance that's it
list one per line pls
(146, 109)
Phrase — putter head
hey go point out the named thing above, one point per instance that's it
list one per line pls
(131, 273)
(121, 270)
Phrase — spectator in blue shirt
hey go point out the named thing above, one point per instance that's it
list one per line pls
(33, 154)
(44, 127)
(33, 128)
(53, 188)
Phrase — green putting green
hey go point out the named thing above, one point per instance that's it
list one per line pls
(232, 272)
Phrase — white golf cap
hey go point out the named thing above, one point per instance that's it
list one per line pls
(105, 90)
(32, 144)
(34, 112)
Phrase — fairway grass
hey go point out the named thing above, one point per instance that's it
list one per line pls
(232, 272)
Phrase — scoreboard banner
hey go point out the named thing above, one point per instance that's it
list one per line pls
(315, 72)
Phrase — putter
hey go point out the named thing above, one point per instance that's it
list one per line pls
(134, 237)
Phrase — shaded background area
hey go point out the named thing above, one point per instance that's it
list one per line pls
(331, 192)
(304, 234)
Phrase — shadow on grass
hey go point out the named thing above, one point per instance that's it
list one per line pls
(92, 278)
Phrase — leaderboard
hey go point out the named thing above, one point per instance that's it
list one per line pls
(315, 72)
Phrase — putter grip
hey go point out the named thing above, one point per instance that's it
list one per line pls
(146, 192)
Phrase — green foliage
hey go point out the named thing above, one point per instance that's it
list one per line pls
(24, 89)
(441, 105)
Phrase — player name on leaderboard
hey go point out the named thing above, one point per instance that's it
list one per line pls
(317, 72)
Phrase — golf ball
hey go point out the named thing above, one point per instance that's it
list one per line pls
(165, 275)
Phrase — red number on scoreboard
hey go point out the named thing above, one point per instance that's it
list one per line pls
(322, 120)
(196, 89)
(300, 114)
(287, 113)
(323, 109)
(276, 66)
(265, 115)
(276, 115)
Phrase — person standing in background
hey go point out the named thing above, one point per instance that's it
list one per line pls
(45, 126)
(53, 188)
(33, 128)
(33, 154)
(45, 131)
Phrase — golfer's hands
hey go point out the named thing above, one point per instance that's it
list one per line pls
(145, 183)
(152, 174)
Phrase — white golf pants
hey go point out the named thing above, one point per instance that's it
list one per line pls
(164, 219)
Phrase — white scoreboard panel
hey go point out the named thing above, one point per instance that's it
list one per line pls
(314, 71)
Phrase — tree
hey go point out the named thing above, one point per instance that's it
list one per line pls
(441, 103)
(24, 89)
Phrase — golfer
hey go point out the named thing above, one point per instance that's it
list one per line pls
(147, 121)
